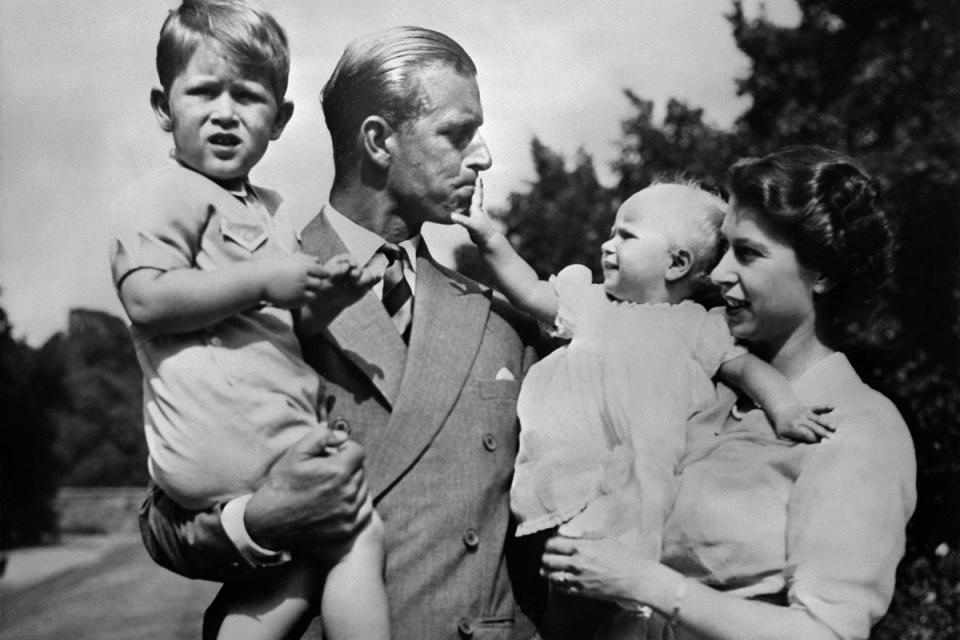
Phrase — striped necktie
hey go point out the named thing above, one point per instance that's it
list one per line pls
(397, 294)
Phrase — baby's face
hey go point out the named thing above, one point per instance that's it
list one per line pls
(221, 116)
(636, 257)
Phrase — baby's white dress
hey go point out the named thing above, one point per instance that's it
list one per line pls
(606, 414)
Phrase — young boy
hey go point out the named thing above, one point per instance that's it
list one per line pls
(207, 273)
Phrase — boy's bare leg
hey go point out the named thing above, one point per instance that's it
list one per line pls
(348, 585)
(354, 601)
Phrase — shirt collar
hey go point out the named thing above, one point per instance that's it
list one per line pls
(362, 243)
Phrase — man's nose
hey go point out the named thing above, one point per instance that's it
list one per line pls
(478, 155)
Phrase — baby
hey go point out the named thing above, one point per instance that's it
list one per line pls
(603, 419)
(207, 272)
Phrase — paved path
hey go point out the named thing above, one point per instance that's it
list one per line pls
(117, 594)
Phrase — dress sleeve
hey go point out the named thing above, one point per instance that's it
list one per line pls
(714, 344)
(847, 516)
(154, 225)
(575, 297)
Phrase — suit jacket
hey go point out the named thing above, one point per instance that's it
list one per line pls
(438, 421)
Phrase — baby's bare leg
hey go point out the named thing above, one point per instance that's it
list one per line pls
(354, 601)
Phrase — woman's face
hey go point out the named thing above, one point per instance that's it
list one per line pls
(767, 292)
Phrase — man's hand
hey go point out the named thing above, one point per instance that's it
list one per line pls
(313, 496)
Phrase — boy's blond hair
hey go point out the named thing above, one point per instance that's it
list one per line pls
(245, 34)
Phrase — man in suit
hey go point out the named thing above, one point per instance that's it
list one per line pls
(423, 371)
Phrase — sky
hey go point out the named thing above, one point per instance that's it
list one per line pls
(75, 121)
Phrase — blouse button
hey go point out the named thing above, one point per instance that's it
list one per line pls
(465, 628)
(471, 539)
(489, 442)
(215, 341)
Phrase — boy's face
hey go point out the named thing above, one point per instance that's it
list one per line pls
(222, 117)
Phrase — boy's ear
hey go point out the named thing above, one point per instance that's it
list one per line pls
(377, 140)
(284, 113)
(161, 108)
(681, 261)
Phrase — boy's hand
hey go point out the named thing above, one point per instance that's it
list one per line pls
(345, 282)
(291, 281)
(478, 223)
(804, 424)
(295, 280)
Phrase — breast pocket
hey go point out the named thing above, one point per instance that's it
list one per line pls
(248, 235)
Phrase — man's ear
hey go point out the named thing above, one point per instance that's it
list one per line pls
(377, 134)
(161, 108)
(284, 113)
(681, 261)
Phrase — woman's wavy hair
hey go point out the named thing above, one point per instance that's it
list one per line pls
(825, 205)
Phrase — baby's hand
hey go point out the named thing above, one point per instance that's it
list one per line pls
(345, 281)
(478, 223)
(804, 424)
(291, 281)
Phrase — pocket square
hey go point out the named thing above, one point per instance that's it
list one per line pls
(504, 374)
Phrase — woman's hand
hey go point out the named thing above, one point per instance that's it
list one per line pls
(605, 569)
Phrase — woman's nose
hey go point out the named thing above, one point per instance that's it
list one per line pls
(721, 273)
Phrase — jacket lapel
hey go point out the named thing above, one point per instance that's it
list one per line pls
(363, 331)
(449, 318)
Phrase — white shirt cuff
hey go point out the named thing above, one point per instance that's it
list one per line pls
(231, 517)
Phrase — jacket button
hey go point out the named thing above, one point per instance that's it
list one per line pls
(489, 442)
(471, 539)
(340, 424)
(465, 628)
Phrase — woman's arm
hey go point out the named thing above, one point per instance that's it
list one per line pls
(606, 569)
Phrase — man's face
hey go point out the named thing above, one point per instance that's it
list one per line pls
(435, 158)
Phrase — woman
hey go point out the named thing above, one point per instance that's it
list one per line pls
(768, 538)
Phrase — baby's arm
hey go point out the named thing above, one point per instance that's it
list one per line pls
(770, 389)
(181, 300)
(517, 279)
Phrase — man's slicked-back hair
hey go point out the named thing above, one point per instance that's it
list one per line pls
(245, 34)
(376, 76)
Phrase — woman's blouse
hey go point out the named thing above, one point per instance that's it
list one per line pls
(820, 525)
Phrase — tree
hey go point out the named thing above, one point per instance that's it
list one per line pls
(94, 392)
(564, 217)
(28, 466)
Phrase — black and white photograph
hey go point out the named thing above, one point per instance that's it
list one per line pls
(504, 319)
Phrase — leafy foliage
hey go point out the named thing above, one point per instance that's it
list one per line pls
(94, 396)
(28, 467)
